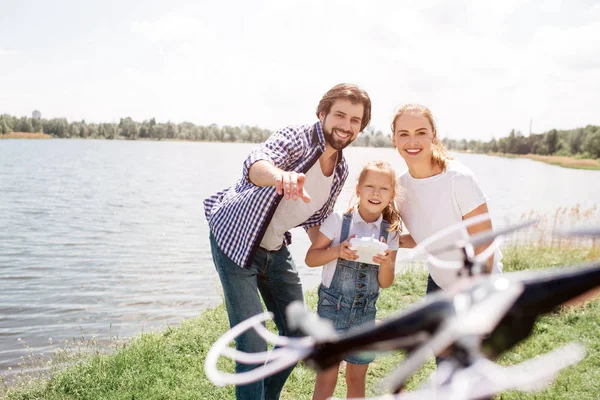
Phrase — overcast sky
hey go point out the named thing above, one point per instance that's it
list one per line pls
(483, 67)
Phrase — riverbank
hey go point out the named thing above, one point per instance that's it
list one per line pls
(565, 162)
(170, 364)
(25, 135)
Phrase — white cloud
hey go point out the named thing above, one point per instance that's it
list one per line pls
(482, 67)
(6, 52)
(453, 57)
(577, 48)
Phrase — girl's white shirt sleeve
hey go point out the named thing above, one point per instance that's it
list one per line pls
(332, 227)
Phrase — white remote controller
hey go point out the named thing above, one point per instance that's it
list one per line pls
(367, 248)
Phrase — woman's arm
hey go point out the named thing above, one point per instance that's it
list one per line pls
(478, 228)
(407, 242)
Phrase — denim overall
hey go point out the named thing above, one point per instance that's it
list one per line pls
(349, 301)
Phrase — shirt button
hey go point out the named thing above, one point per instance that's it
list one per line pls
(356, 303)
(360, 285)
(361, 275)
(358, 296)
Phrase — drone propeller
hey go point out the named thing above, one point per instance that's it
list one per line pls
(485, 378)
(484, 237)
(309, 323)
(291, 351)
(582, 231)
(422, 248)
(477, 314)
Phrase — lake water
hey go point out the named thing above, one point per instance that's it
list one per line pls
(108, 238)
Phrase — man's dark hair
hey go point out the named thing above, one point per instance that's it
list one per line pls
(350, 92)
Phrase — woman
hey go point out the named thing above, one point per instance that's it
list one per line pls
(438, 191)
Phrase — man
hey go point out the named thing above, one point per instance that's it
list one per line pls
(293, 179)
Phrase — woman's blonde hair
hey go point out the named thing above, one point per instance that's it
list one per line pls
(440, 154)
(390, 212)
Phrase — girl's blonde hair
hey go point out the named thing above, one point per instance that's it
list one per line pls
(390, 212)
(440, 155)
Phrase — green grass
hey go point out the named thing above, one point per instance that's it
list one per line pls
(170, 364)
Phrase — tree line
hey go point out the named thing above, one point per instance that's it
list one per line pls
(150, 129)
(579, 143)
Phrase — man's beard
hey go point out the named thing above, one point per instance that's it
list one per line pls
(336, 142)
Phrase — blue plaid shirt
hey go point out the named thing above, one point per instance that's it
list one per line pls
(239, 215)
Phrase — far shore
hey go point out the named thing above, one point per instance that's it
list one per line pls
(25, 135)
(562, 161)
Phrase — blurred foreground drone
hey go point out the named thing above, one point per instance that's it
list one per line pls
(475, 321)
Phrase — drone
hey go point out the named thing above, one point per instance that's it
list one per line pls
(472, 323)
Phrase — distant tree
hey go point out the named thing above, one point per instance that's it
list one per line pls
(56, 127)
(128, 128)
(493, 145)
(159, 131)
(10, 121)
(93, 131)
(551, 141)
(574, 141)
(171, 130)
(4, 128)
(108, 130)
(24, 125)
(592, 144)
(37, 125)
(145, 130)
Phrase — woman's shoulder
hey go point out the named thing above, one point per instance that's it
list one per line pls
(403, 176)
(456, 168)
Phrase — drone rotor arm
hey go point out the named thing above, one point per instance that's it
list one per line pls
(273, 361)
(582, 231)
(320, 330)
(281, 341)
(438, 342)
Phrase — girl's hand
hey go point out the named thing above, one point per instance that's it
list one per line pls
(344, 250)
(383, 258)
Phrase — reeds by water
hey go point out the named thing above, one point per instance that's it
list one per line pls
(551, 229)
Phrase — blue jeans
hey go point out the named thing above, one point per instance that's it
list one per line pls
(432, 287)
(275, 276)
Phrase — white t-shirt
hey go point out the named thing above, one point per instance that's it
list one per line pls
(431, 204)
(291, 213)
(332, 228)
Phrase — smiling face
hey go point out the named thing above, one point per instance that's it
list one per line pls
(342, 124)
(375, 191)
(413, 138)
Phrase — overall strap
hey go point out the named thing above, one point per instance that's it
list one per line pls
(384, 230)
(346, 222)
(336, 284)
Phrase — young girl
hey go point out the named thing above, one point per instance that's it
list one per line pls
(438, 191)
(349, 289)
